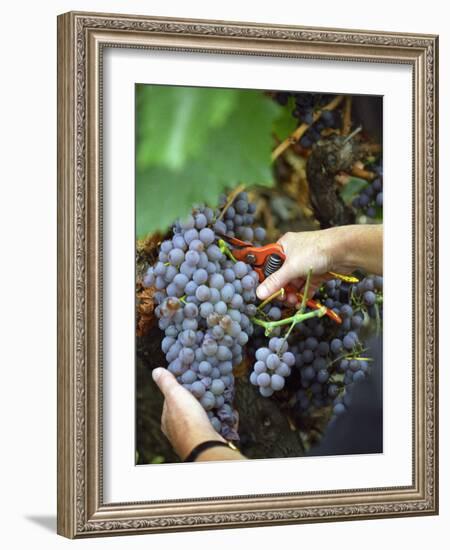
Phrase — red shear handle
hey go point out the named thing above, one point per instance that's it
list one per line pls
(256, 255)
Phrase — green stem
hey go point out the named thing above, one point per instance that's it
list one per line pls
(225, 249)
(286, 336)
(299, 317)
(270, 298)
(306, 290)
(349, 355)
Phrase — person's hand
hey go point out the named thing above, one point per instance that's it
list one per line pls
(184, 421)
(338, 249)
(304, 251)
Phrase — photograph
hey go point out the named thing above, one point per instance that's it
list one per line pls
(259, 274)
(239, 296)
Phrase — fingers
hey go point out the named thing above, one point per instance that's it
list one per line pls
(277, 280)
(175, 395)
(165, 380)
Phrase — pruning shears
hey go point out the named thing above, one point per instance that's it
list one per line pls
(267, 259)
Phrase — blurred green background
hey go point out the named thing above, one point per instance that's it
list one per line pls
(192, 143)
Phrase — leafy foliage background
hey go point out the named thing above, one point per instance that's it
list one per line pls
(192, 143)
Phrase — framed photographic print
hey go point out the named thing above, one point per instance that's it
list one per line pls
(247, 288)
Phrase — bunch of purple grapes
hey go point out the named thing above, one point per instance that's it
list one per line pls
(205, 302)
(273, 365)
(370, 198)
(238, 220)
(305, 105)
(321, 360)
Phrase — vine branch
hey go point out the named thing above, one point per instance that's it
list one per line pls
(298, 133)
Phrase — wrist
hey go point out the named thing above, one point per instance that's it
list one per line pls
(339, 248)
(197, 437)
(220, 453)
(213, 449)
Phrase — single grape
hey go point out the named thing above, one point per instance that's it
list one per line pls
(322, 376)
(240, 269)
(217, 387)
(260, 234)
(216, 281)
(274, 313)
(339, 408)
(205, 368)
(209, 347)
(288, 358)
(349, 342)
(181, 280)
(369, 297)
(263, 379)
(265, 391)
(262, 354)
(260, 367)
(220, 308)
(176, 256)
(308, 373)
(188, 377)
(190, 311)
(192, 258)
(202, 293)
(213, 252)
(311, 343)
(227, 292)
(215, 295)
(283, 370)
(277, 382)
(336, 345)
(273, 361)
(196, 245)
(206, 308)
(358, 376)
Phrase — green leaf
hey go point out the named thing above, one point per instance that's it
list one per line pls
(236, 152)
(285, 124)
(352, 188)
(173, 122)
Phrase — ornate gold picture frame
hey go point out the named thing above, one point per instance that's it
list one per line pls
(82, 38)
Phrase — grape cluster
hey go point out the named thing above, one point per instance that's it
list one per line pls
(305, 105)
(238, 220)
(205, 302)
(273, 365)
(328, 358)
(370, 198)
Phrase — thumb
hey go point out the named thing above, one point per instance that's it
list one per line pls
(273, 283)
(165, 380)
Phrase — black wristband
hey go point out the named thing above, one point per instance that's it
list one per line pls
(207, 445)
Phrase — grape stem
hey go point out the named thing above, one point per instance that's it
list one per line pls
(299, 317)
(302, 307)
(225, 249)
(361, 172)
(230, 200)
(306, 290)
(347, 116)
(298, 133)
(351, 355)
(270, 298)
